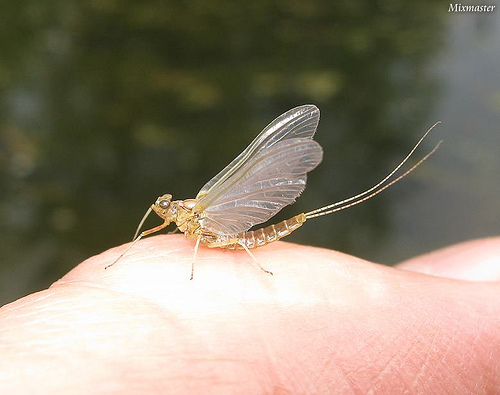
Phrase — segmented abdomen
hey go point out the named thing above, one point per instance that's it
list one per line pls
(263, 236)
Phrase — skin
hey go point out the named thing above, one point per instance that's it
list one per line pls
(326, 322)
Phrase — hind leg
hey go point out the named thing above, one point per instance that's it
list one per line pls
(234, 242)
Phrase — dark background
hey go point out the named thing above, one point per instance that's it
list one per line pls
(107, 104)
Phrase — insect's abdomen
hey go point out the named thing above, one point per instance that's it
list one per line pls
(263, 236)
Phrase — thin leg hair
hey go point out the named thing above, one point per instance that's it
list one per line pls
(194, 256)
(254, 259)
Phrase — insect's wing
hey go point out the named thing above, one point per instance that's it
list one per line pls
(270, 174)
(299, 122)
(273, 179)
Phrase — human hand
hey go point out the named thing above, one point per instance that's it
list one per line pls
(326, 322)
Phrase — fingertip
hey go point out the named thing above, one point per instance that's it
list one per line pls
(474, 260)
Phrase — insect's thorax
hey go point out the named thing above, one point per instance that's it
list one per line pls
(185, 215)
(189, 221)
(186, 218)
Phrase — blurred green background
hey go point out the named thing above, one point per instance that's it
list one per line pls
(107, 104)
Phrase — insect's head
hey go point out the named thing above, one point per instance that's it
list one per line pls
(165, 208)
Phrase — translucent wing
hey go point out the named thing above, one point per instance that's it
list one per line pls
(299, 122)
(267, 176)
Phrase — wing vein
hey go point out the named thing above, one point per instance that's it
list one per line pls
(268, 175)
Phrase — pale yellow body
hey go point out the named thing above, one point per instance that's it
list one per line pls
(183, 213)
(294, 130)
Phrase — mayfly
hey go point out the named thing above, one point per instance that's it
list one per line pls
(267, 176)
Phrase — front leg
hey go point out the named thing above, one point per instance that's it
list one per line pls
(143, 234)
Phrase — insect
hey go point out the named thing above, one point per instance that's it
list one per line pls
(267, 176)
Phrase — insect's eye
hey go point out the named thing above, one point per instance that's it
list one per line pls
(164, 203)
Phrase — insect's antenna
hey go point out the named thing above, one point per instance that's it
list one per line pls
(373, 188)
(136, 238)
(142, 222)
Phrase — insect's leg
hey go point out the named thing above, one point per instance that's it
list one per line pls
(154, 230)
(241, 243)
(194, 256)
(145, 233)
(222, 244)
(230, 242)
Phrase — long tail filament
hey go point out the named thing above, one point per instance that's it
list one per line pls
(379, 187)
